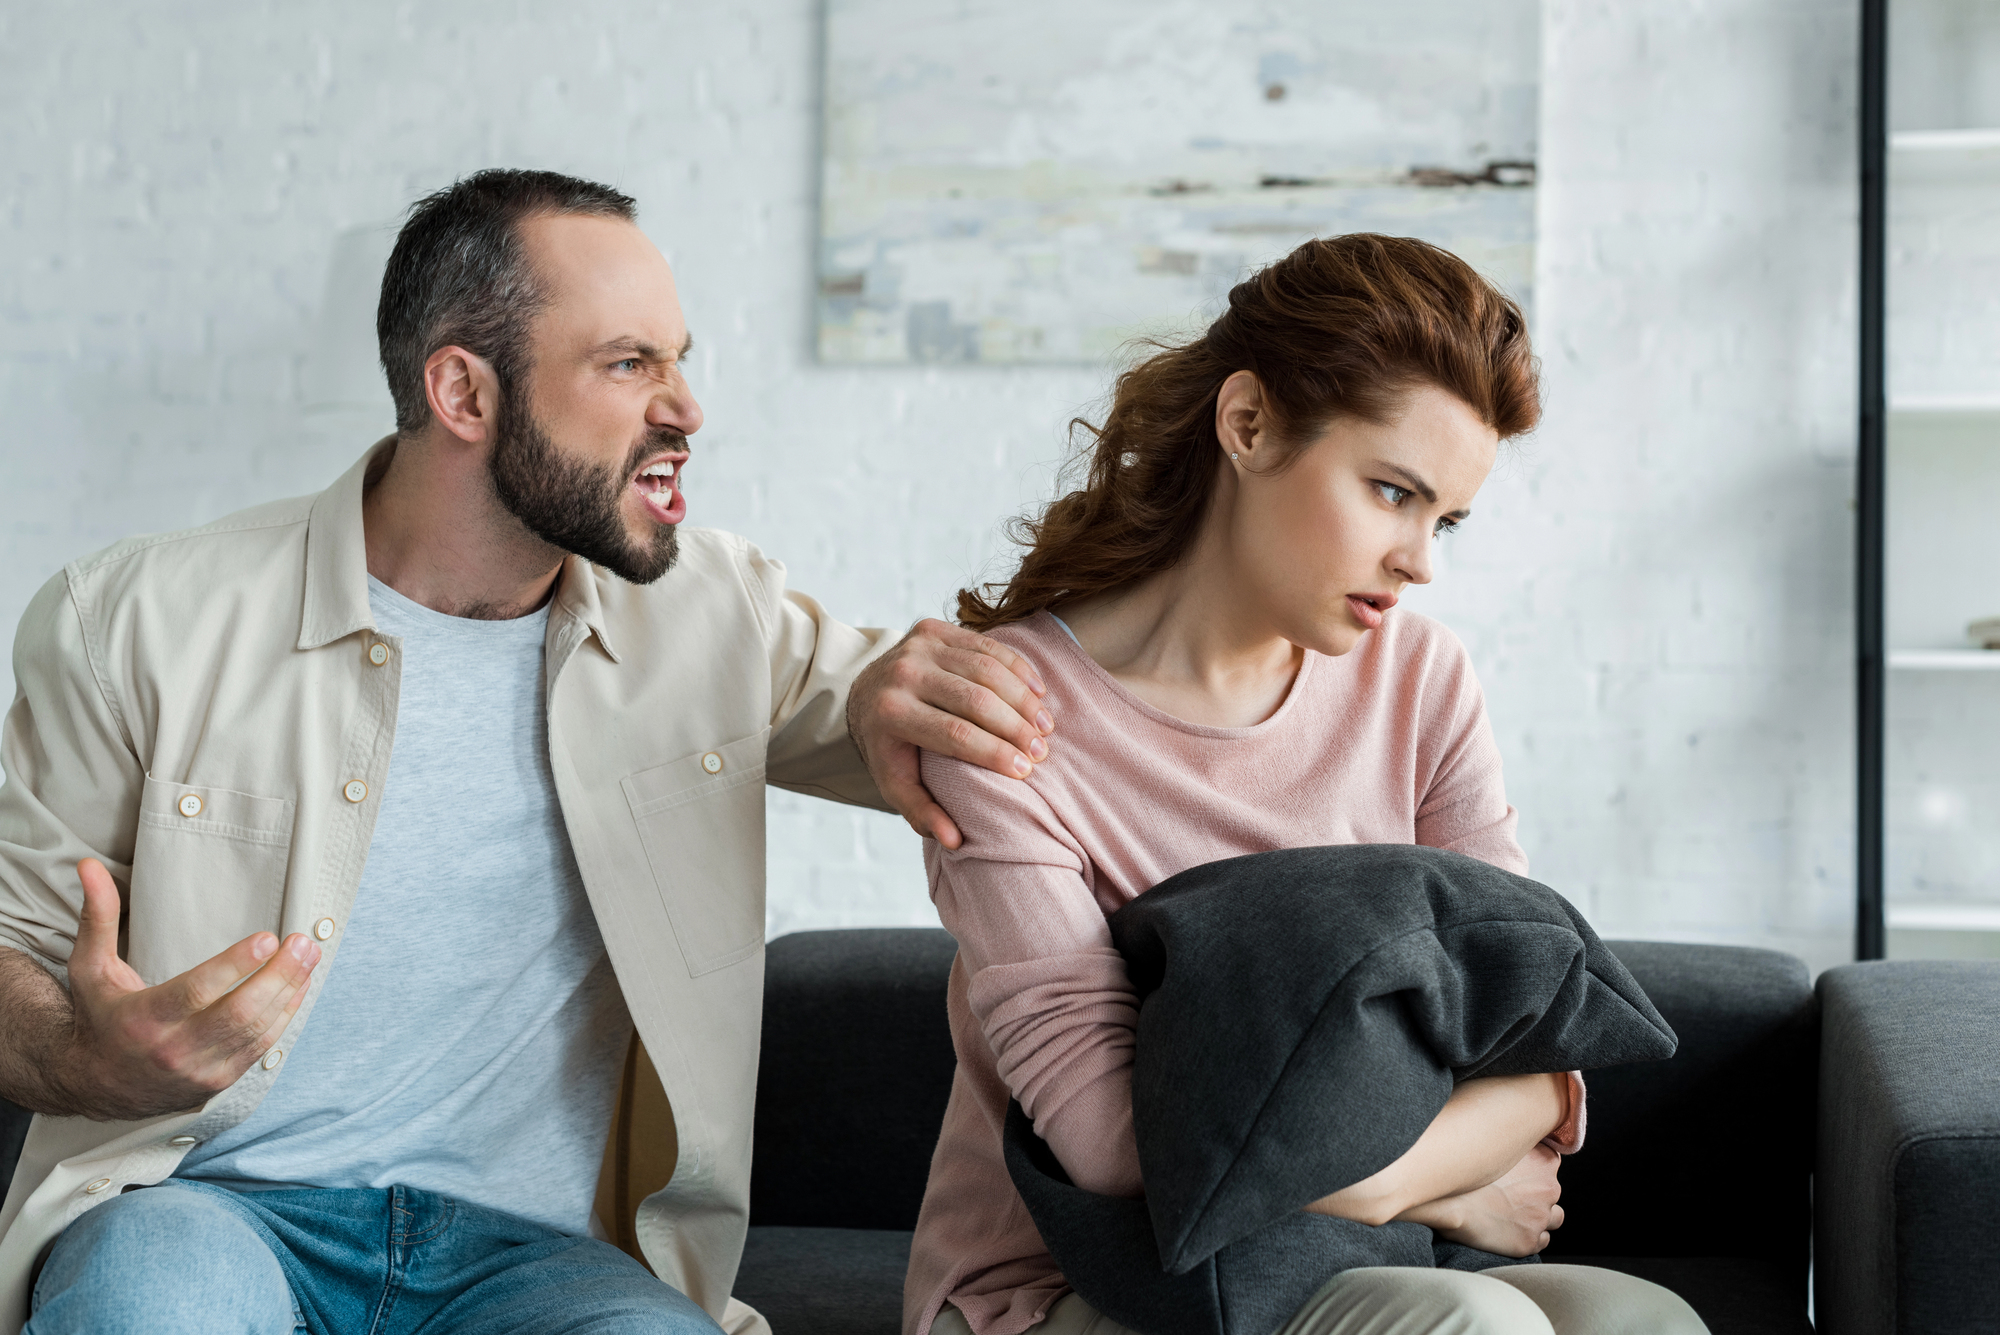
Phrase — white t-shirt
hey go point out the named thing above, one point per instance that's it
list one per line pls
(468, 1040)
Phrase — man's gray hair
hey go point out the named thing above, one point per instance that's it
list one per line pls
(459, 276)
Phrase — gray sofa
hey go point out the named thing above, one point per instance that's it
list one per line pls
(1699, 1171)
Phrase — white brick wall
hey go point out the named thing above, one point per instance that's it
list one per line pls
(1656, 589)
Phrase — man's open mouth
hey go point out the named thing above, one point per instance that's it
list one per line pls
(658, 486)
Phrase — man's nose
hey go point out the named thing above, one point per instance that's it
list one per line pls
(676, 407)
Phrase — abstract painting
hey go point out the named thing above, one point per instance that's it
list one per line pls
(1044, 180)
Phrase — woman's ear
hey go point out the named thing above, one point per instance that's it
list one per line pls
(1240, 423)
(463, 392)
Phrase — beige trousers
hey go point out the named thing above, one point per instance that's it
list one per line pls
(1408, 1300)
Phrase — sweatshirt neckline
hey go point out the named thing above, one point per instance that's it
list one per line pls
(1049, 628)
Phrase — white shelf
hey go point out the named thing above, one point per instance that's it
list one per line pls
(1914, 142)
(1945, 405)
(1942, 916)
(1945, 157)
(1946, 660)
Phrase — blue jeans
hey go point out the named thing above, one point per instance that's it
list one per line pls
(189, 1258)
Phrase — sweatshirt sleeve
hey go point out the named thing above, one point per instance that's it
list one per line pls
(1045, 985)
(1461, 799)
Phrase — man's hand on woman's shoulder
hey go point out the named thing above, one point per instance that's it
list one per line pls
(955, 692)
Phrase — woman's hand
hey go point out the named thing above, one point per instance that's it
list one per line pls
(1479, 1138)
(1511, 1217)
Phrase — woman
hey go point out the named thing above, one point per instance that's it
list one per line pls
(1212, 613)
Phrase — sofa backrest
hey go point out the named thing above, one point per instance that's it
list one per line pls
(852, 1082)
(1710, 1153)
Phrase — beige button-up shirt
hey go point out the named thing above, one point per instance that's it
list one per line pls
(211, 714)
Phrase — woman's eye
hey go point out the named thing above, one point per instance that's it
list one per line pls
(1392, 493)
(1444, 526)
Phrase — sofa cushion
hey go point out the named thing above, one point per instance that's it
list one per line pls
(826, 1281)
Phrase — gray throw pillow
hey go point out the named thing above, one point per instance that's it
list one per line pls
(1305, 1014)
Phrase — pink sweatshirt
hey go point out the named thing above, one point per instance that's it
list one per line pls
(1386, 745)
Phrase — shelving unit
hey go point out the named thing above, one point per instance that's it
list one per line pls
(1928, 544)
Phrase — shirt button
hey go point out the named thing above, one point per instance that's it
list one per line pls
(182, 1142)
(323, 928)
(190, 804)
(355, 790)
(92, 1188)
(378, 654)
(272, 1058)
(712, 763)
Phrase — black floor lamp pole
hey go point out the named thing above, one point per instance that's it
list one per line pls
(1870, 659)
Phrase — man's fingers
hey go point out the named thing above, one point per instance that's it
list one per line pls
(900, 781)
(94, 964)
(947, 706)
(929, 820)
(971, 641)
(279, 1014)
(211, 980)
(235, 1026)
(97, 930)
(1012, 691)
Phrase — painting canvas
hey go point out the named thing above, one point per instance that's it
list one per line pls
(1044, 180)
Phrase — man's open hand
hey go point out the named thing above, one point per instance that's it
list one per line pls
(953, 691)
(143, 1051)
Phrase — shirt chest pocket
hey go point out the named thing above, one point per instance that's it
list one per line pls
(701, 823)
(208, 869)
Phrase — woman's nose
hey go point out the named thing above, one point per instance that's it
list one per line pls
(1412, 565)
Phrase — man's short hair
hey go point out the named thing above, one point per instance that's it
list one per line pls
(459, 277)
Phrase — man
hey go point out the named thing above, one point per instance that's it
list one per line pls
(345, 840)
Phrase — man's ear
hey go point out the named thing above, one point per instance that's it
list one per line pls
(1240, 424)
(464, 394)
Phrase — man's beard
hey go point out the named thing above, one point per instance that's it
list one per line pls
(572, 505)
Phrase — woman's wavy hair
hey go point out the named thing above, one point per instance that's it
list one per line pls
(1345, 325)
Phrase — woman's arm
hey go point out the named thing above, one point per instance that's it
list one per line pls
(1511, 1217)
(1487, 1127)
(1045, 987)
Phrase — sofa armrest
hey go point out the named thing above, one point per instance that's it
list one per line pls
(1907, 1209)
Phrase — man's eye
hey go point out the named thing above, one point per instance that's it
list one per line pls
(1392, 493)
(629, 364)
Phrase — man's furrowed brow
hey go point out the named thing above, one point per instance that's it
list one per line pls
(639, 347)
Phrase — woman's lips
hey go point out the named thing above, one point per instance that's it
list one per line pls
(1367, 613)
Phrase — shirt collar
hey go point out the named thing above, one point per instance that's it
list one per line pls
(336, 596)
(336, 602)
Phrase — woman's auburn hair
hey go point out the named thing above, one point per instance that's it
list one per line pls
(1342, 326)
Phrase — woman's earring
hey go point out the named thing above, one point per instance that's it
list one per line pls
(1232, 456)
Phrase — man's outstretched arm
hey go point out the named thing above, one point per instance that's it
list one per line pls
(80, 1034)
(954, 692)
(111, 1048)
(850, 711)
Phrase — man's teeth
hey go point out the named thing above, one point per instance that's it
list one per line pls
(659, 470)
